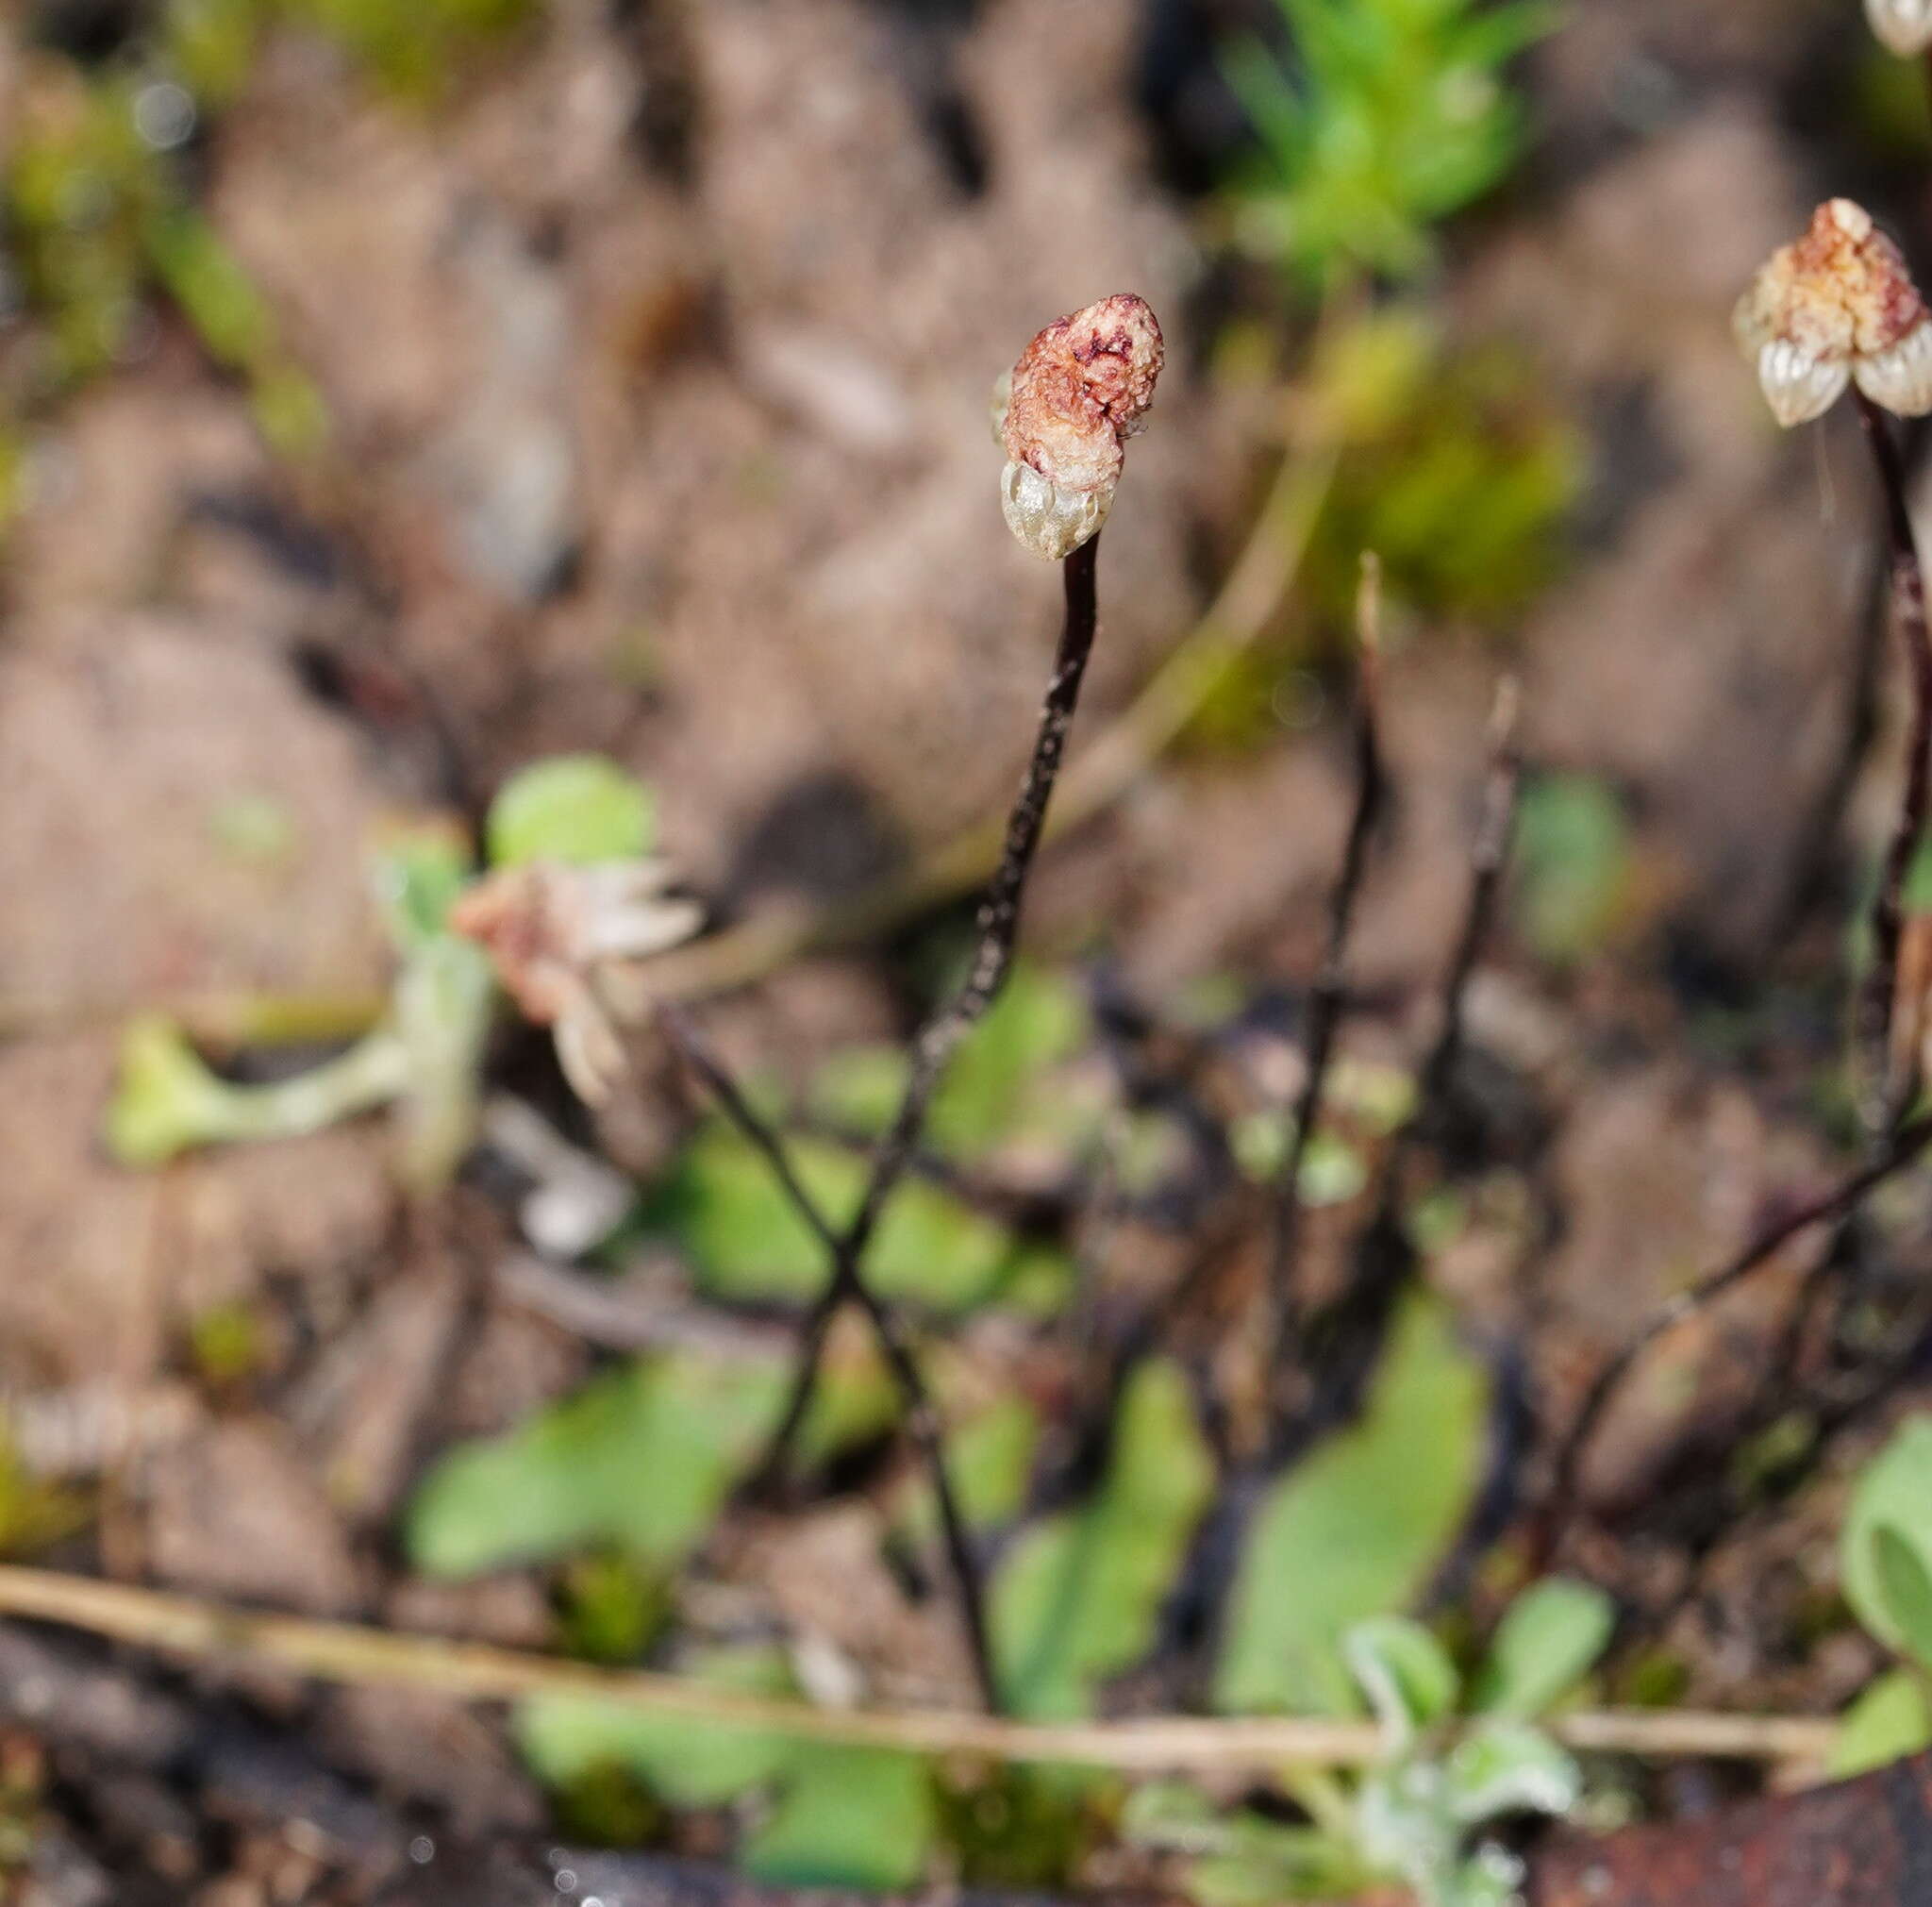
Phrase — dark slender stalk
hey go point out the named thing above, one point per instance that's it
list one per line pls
(921, 1416)
(1891, 1096)
(1817, 862)
(1342, 1339)
(1488, 860)
(998, 930)
(1904, 1146)
(1328, 995)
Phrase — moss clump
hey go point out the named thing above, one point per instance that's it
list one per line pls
(606, 1806)
(610, 1608)
(1020, 1828)
(1453, 466)
(226, 1345)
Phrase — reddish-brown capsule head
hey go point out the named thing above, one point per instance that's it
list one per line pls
(1835, 307)
(1079, 391)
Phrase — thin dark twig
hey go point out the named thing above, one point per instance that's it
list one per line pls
(1877, 1003)
(1342, 1339)
(938, 1040)
(1338, 1343)
(1328, 995)
(1817, 862)
(1900, 1151)
(921, 1416)
(1489, 863)
(698, 1055)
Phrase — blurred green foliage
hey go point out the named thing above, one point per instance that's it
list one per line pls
(1888, 106)
(424, 1058)
(1575, 866)
(988, 1463)
(638, 1460)
(225, 1343)
(1077, 1597)
(603, 1804)
(1002, 1088)
(838, 1816)
(1393, 115)
(1885, 1562)
(1022, 1828)
(746, 1243)
(720, 1205)
(611, 1607)
(1411, 1815)
(1454, 471)
(34, 1513)
(412, 50)
(1451, 464)
(578, 808)
(99, 213)
(1357, 1528)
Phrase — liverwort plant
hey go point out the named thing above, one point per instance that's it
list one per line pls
(1077, 393)
(571, 900)
(1078, 390)
(1838, 308)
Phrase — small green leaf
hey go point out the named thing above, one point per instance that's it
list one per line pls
(858, 1089)
(1405, 1672)
(640, 1458)
(165, 1101)
(747, 1243)
(1894, 1495)
(1574, 861)
(1508, 1767)
(988, 1463)
(572, 807)
(420, 871)
(1038, 1020)
(1549, 1639)
(1891, 1719)
(1169, 1817)
(1907, 1591)
(688, 1762)
(1356, 1528)
(1492, 1876)
(1270, 1863)
(1332, 1171)
(994, 1090)
(848, 1818)
(1077, 1596)
(610, 1608)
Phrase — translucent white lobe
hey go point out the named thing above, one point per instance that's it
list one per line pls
(1798, 386)
(1900, 378)
(1051, 523)
(1904, 25)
